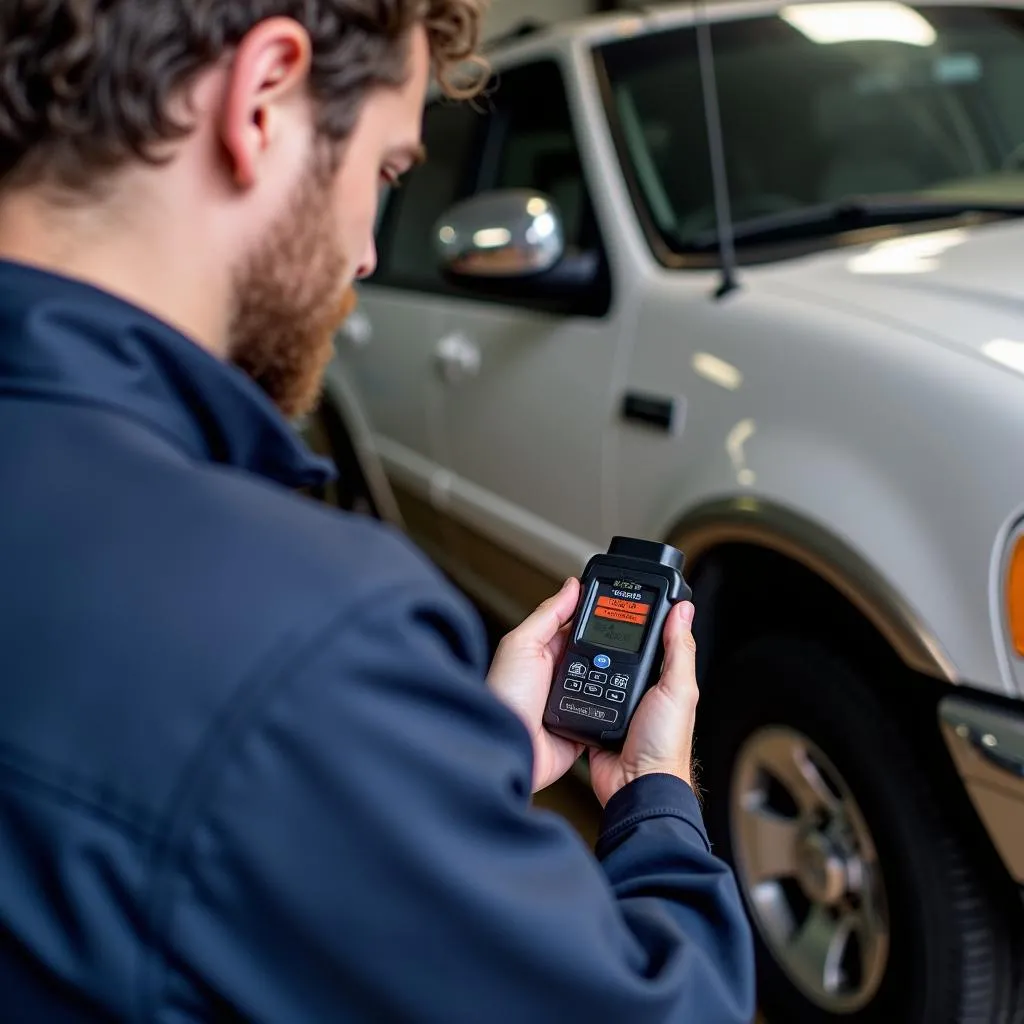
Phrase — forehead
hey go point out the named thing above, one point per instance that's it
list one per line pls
(419, 59)
(416, 80)
(397, 114)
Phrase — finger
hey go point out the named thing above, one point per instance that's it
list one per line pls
(679, 676)
(543, 625)
(558, 646)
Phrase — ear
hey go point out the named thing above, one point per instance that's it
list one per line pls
(270, 67)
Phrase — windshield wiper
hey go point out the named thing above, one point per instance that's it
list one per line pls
(845, 215)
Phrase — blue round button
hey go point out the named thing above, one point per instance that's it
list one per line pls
(602, 661)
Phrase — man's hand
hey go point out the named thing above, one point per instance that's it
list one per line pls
(660, 739)
(521, 676)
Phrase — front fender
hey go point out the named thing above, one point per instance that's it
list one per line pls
(773, 527)
(816, 502)
(880, 459)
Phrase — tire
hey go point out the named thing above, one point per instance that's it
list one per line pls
(938, 939)
(327, 436)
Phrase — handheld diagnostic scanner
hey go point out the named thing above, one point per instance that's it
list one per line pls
(616, 647)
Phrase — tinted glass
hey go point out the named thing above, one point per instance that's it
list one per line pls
(451, 133)
(536, 147)
(901, 101)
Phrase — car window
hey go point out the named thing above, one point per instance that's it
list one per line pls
(520, 134)
(534, 145)
(918, 102)
(452, 134)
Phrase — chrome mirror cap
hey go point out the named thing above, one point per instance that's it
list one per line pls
(507, 234)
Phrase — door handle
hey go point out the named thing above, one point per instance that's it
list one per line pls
(458, 358)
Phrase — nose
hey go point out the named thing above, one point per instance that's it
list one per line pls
(369, 262)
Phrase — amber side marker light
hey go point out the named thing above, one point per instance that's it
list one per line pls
(1015, 596)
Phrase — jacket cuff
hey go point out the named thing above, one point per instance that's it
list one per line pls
(650, 796)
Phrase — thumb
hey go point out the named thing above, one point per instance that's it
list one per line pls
(679, 677)
(543, 625)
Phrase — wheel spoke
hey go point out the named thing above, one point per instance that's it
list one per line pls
(769, 844)
(872, 932)
(816, 951)
(790, 763)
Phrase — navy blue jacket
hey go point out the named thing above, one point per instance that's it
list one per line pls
(249, 766)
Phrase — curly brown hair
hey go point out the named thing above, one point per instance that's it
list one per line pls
(88, 85)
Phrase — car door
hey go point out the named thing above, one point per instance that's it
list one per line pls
(388, 346)
(527, 381)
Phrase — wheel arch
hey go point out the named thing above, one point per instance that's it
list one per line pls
(715, 535)
(827, 592)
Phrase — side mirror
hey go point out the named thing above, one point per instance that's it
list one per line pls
(511, 246)
(509, 235)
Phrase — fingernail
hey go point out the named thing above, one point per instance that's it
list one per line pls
(687, 612)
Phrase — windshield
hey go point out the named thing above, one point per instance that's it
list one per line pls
(822, 103)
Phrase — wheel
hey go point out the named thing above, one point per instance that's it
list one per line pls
(866, 900)
(326, 435)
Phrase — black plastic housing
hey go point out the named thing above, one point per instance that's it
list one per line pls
(574, 708)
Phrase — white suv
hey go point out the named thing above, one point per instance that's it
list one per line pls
(754, 286)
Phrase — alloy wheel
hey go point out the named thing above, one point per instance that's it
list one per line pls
(809, 868)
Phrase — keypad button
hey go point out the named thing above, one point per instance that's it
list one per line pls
(621, 681)
(598, 677)
(578, 668)
(591, 690)
(616, 696)
(602, 661)
(573, 684)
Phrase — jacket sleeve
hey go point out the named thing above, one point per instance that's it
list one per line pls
(367, 851)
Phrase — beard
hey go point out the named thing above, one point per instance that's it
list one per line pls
(291, 296)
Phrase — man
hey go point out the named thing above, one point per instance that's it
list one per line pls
(251, 767)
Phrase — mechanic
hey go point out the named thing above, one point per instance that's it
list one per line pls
(253, 763)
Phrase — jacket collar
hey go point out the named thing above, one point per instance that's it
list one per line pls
(64, 340)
